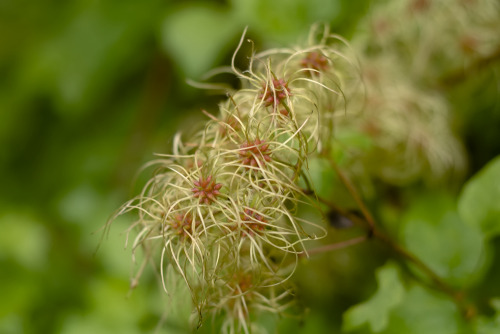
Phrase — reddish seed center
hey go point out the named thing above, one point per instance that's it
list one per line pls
(230, 123)
(182, 224)
(252, 221)
(275, 92)
(253, 152)
(206, 189)
(315, 61)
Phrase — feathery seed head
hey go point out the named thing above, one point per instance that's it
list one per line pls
(284, 112)
(252, 222)
(244, 282)
(230, 124)
(206, 189)
(316, 61)
(274, 92)
(182, 224)
(252, 152)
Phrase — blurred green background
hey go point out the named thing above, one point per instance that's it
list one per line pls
(89, 90)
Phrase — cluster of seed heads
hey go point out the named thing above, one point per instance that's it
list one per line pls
(222, 208)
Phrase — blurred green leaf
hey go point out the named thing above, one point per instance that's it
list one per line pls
(23, 239)
(81, 61)
(20, 288)
(197, 35)
(322, 177)
(375, 311)
(484, 325)
(11, 324)
(422, 311)
(434, 232)
(111, 311)
(326, 183)
(479, 202)
(348, 141)
(283, 21)
(395, 310)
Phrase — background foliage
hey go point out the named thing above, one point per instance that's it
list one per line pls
(90, 89)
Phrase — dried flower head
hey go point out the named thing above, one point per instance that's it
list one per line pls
(206, 189)
(252, 221)
(316, 61)
(274, 92)
(255, 152)
(182, 224)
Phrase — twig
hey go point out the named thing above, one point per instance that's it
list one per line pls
(352, 190)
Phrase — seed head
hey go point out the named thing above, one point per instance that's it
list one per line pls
(469, 44)
(250, 152)
(315, 61)
(284, 112)
(206, 189)
(275, 92)
(242, 283)
(252, 221)
(230, 123)
(182, 224)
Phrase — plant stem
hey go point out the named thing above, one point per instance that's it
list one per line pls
(355, 195)
(458, 296)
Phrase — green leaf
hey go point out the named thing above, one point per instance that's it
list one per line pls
(100, 44)
(283, 21)
(326, 183)
(484, 325)
(109, 311)
(424, 312)
(349, 142)
(395, 310)
(24, 238)
(198, 35)
(436, 234)
(375, 311)
(479, 202)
